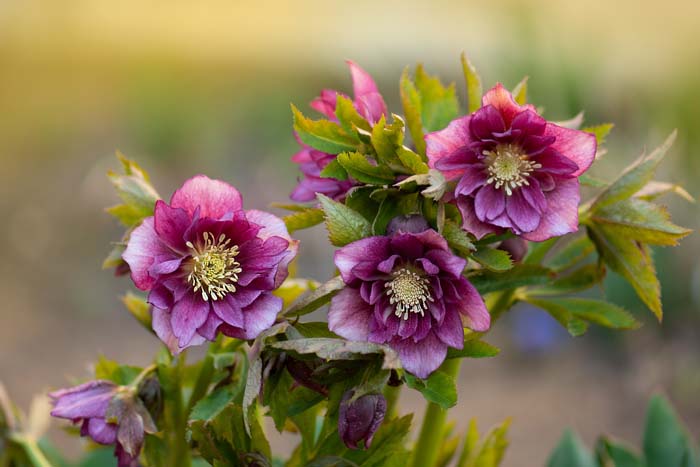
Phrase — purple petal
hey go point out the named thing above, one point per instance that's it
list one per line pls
(472, 179)
(101, 431)
(370, 250)
(164, 265)
(274, 226)
(529, 123)
(421, 358)
(258, 317)
(209, 329)
(533, 195)
(187, 315)
(470, 221)
(489, 203)
(229, 311)
(163, 329)
(326, 103)
(577, 145)
(143, 247)
(349, 316)
(451, 331)
(170, 224)
(214, 197)
(443, 143)
(408, 326)
(554, 163)
(486, 121)
(160, 297)
(503, 101)
(408, 246)
(87, 400)
(561, 216)
(471, 306)
(447, 262)
(524, 217)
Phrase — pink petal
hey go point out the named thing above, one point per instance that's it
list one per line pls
(421, 358)
(525, 217)
(164, 331)
(367, 250)
(187, 315)
(259, 316)
(561, 216)
(214, 197)
(326, 103)
(443, 143)
(475, 316)
(470, 181)
(578, 146)
(503, 101)
(170, 224)
(470, 222)
(349, 316)
(451, 331)
(274, 226)
(489, 203)
(486, 121)
(143, 247)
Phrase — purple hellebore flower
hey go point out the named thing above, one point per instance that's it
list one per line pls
(109, 414)
(406, 291)
(369, 104)
(360, 418)
(515, 170)
(209, 265)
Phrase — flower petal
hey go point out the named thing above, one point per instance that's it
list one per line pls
(349, 316)
(229, 311)
(368, 250)
(170, 224)
(187, 315)
(578, 146)
(368, 101)
(143, 247)
(524, 217)
(101, 431)
(443, 143)
(472, 308)
(470, 221)
(503, 101)
(259, 316)
(561, 216)
(486, 121)
(87, 400)
(164, 330)
(214, 197)
(451, 331)
(472, 179)
(326, 103)
(274, 226)
(421, 358)
(489, 203)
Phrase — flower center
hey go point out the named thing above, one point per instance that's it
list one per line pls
(214, 269)
(408, 292)
(508, 167)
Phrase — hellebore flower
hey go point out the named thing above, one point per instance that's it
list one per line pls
(369, 104)
(209, 266)
(406, 291)
(515, 170)
(358, 419)
(109, 414)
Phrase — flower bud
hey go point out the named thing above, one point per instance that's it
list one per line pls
(359, 418)
(516, 247)
(410, 223)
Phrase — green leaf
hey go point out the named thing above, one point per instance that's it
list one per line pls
(494, 447)
(412, 161)
(209, 407)
(135, 190)
(665, 439)
(519, 276)
(600, 131)
(114, 258)
(387, 448)
(473, 82)
(570, 254)
(439, 105)
(348, 116)
(323, 135)
(113, 371)
(589, 180)
(654, 189)
(303, 219)
(361, 169)
(492, 258)
(386, 139)
(344, 225)
(640, 220)
(633, 261)
(618, 454)
(520, 92)
(458, 239)
(580, 279)
(570, 452)
(291, 289)
(252, 389)
(634, 177)
(412, 111)
(334, 170)
(315, 329)
(474, 349)
(315, 298)
(440, 388)
(339, 349)
(471, 440)
(594, 311)
(138, 308)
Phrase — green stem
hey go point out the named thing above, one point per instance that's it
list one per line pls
(203, 381)
(427, 448)
(32, 450)
(180, 447)
(391, 394)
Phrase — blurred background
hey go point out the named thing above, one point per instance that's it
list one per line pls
(188, 87)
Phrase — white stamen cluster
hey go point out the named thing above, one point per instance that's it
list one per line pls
(214, 269)
(408, 292)
(508, 167)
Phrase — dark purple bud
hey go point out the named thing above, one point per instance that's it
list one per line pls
(516, 247)
(411, 223)
(303, 374)
(359, 418)
(150, 393)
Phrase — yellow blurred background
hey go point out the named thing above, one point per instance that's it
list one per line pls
(204, 86)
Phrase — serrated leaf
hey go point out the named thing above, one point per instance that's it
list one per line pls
(474, 349)
(315, 329)
(577, 280)
(570, 452)
(640, 220)
(492, 258)
(412, 161)
(567, 309)
(570, 254)
(386, 139)
(114, 258)
(348, 116)
(439, 105)
(412, 111)
(634, 177)
(339, 349)
(136, 192)
(344, 225)
(518, 276)
(303, 219)
(210, 406)
(600, 131)
(458, 239)
(315, 298)
(323, 135)
(334, 170)
(440, 388)
(113, 371)
(361, 169)
(633, 261)
(520, 92)
(473, 82)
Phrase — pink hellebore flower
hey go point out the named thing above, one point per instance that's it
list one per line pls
(369, 104)
(406, 291)
(209, 266)
(515, 170)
